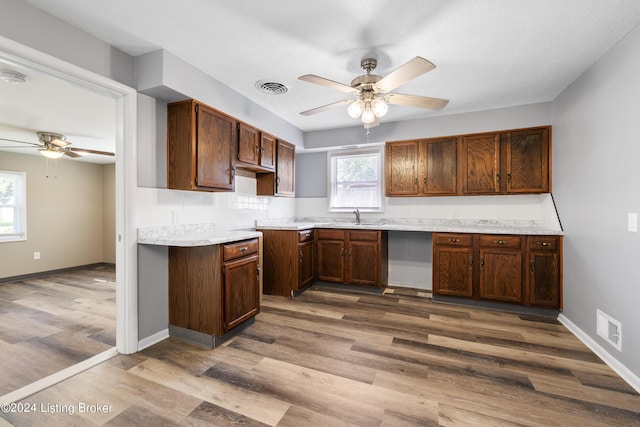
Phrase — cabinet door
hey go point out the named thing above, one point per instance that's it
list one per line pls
(501, 275)
(439, 166)
(362, 263)
(285, 169)
(331, 260)
(544, 279)
(481, 164)
(528, 161)
(267, 151)
(453, 271)
(248, 144)
(307, 264)
(401, 168)
(241, 291)
(216, 138)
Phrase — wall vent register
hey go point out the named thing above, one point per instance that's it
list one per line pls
(609, 329)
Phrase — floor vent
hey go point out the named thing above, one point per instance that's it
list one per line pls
(609, 329)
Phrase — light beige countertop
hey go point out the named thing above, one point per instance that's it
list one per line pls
(424, 225)
(191, 235)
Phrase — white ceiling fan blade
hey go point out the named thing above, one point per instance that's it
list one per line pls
(21, 142)
(416, 101)
(312, 78)
(87, 151)
(327, 107)
(406, 72)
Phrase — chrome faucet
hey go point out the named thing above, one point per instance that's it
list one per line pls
(357, 214)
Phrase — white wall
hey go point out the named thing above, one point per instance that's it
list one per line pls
(595, 162)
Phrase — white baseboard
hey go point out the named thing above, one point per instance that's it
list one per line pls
(151, 340)
(57, 377)
(613, 363)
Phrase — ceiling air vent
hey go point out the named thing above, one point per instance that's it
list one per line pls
(11, 76)
(270, 87)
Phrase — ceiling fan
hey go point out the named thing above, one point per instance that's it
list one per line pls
(55, 145)
(372, 92)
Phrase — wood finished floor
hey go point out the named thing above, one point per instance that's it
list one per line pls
(339, 358)
(53, 322)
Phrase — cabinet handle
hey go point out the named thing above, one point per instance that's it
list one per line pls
(233, 172)
(416, 181)
(481, 263)
(349, 251)
(453, 240)
(424, 180)
(499, 242)
(532, 265)
(543, 244)
(470, 262)
(301, 255)
(258, 270)
(497, 179)
(243, 249)
(509, 178)
(341, 252)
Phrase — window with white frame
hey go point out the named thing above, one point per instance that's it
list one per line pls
(13, 206)
(355, 180)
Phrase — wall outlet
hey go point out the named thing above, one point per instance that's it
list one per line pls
(36, 255)
(632, 222)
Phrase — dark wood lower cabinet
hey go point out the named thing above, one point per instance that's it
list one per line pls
(501, 275)
(355, 257)
(507, 268)
(453, 271)
(289, 260)
(214, 288)
(241, 290)
(331, 246)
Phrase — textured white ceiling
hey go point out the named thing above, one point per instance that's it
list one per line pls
(488, 53)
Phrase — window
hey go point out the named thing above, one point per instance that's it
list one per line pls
(13, 201)
(355, 180)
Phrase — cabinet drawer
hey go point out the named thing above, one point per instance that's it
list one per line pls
(500, 241)
(305, 236)
(239, 249)
(329, 234)
(543, 243)
(453, 239)
(363, 236)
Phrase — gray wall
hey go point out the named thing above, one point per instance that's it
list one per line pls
(311, 174)
(595, 164)
(30, 26)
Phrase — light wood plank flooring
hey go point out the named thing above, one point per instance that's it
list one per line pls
(53, 322)
(337, 358)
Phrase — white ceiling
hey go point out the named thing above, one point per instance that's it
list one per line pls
(488, 53)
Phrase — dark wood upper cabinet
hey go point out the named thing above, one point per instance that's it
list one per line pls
(200, 148)
(480, 163)
(504, 162)
(401, 168)
(267, 151)
(248, 144)
(527, 161)
(282, 182)
(439, 166)
(256, 149)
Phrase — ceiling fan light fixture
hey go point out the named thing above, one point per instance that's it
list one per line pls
(379, 107)
(367, 115)
(51, 154)
(355, 109)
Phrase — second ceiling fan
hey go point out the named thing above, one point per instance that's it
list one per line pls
(372, 91)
